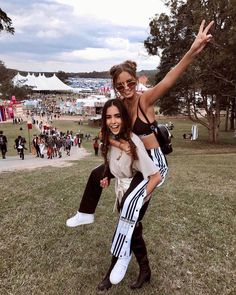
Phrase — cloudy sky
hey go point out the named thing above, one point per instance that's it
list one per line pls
(76, 35)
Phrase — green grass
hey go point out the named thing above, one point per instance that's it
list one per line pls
(189, 226)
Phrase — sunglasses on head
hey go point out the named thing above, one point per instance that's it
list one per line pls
(122, 86)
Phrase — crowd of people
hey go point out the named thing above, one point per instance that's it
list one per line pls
(55, 143)
(48, 143)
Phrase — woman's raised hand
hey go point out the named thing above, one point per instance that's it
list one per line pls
(202, 38)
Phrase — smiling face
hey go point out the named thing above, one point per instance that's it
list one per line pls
(113, 120)
(126, 84)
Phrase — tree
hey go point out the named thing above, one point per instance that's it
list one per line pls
(4, 73)
(6, 23)
(209, 83)
(4, 80)
(7, 89)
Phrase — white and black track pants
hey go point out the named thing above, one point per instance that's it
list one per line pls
(132, 208)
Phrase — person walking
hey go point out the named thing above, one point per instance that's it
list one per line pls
(96, 145)
(59, 145)
(42, 145)
(3, 144)
(35, 143)
(79, 141)
(50, 146)
(68, 145)
(20, 146)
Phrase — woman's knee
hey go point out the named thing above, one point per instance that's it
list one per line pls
(97, 173)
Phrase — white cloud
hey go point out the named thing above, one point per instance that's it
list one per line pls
(130, 12)
(117, 43)
(90, 54)
(48, 34)
(76, 35)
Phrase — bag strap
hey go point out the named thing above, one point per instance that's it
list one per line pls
(151, 125)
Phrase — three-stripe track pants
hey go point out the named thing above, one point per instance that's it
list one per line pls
(133, 208)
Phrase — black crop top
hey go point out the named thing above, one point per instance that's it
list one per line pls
(141, 128)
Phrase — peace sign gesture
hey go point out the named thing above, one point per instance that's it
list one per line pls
(202, 38)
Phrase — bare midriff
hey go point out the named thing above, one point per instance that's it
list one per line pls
(149, 141)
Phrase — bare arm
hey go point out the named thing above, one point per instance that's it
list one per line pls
(202, 38)
(154, 180)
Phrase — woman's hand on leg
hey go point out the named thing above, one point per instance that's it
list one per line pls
(104, 182)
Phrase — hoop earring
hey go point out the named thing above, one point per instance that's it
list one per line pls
(117, 94)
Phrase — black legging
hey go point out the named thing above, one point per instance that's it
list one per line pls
(93, 191)
(3, 149)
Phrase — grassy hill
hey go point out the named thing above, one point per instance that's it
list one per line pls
(189, 226)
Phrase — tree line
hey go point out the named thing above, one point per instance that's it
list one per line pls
(210, 83)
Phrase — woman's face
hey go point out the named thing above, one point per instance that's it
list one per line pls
(113, 120)
(126, 85)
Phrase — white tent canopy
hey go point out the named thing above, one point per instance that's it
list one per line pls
(41, 82)
(92, 101)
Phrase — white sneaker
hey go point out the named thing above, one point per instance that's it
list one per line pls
(119, 270)
(80, 218)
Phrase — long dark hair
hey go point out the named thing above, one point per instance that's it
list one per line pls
(125, 132)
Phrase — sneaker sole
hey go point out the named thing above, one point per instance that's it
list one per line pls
(81, 223)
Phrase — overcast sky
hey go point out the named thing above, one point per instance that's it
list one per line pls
(76, 35)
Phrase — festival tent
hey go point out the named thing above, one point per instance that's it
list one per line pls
(41, 82)
(90, 105)
(82, 90)
(94, 99)
(19, 80)
(59, 84)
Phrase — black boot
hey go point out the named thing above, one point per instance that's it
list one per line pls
(105, 283)
(138, 246)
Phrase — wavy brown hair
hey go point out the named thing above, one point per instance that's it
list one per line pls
(128, 66)
(125, 132)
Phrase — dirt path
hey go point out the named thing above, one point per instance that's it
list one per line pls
(32, 162)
